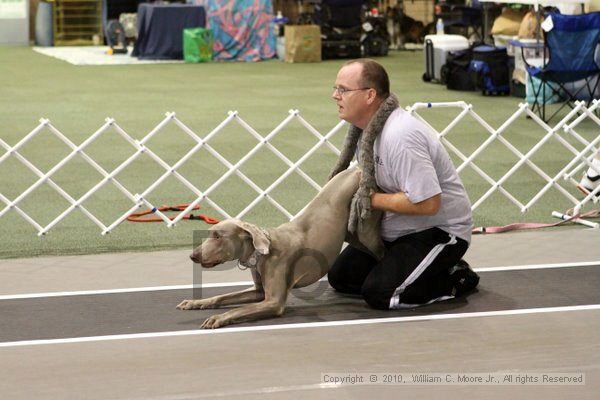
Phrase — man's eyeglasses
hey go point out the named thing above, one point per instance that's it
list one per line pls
(341, 91)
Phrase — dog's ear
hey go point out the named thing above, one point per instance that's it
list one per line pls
(260, 241)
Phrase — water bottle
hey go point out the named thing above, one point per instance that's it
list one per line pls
(278, 23)
(439, 27)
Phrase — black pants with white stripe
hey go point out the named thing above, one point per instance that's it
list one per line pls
(414, 270)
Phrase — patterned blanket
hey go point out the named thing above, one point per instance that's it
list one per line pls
(243, 29)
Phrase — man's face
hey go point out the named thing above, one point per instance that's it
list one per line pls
(352, 104)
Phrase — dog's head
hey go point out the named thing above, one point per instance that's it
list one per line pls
(229, 240)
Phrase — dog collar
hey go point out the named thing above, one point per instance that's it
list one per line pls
(251, 262)
(254, 259)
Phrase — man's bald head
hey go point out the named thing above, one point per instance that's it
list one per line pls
(373, 75)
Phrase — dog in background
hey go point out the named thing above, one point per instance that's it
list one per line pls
(404, 29)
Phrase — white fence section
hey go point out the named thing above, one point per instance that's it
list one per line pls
(581, 158)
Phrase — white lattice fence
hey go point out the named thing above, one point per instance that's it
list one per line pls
(581, 158)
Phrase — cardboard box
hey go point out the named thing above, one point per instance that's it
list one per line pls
(302, 43)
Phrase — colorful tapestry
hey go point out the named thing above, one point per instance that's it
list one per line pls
(243, 29)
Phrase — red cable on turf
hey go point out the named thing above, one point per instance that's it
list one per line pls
(137, 217)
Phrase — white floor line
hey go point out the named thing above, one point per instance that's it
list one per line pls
(248, 283)
(370, 321)
(124, 290)
(244, 283)
(261, 391)
(538, 266)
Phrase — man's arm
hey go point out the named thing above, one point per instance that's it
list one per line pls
(399, 203)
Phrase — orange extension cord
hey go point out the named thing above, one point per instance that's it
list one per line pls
(137, 217)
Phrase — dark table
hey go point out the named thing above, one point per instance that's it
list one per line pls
(160, 29)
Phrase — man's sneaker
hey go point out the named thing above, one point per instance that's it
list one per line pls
(589, 184)
(463, 278)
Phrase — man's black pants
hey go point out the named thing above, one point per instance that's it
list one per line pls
(414, 270)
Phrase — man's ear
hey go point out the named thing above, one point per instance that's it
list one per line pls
(260, 241)
(372, 96)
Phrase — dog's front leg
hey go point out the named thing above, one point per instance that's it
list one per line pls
(264, 309)
(276, 280)
(250, 295)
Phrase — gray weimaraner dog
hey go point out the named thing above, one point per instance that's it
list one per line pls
(295, 254)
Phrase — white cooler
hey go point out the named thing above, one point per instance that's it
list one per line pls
(436, 49)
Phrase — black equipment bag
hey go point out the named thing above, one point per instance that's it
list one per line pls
(429, 74)
(489, 70)
(375, 40)
(340, 28)
(375, 46)
(340, 49)
(455, 73)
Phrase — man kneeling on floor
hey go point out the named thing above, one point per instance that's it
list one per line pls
(427, 219)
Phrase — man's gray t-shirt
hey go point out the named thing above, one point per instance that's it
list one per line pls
(410, 158)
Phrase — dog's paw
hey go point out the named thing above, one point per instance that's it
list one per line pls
(196, 304)
(213, 322)
(190, 305)
(186, 305)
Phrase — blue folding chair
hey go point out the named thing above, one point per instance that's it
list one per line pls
(571, 71)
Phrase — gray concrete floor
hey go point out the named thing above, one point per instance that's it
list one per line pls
(287, 364)
(125, 270)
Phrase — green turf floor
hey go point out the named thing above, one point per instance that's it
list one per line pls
(77, 99)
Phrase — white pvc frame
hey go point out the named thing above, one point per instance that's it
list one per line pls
(580, 160)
